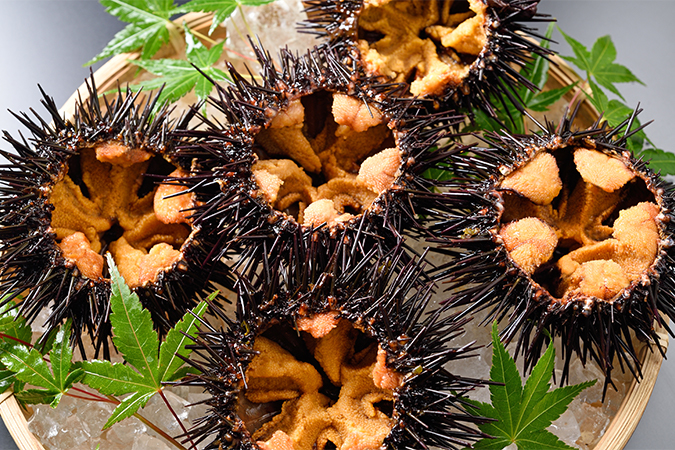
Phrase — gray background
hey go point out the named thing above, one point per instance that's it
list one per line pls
(47, 41)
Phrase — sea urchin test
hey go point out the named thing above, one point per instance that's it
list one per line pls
(317, 362)
(461, 51)
(570, 233)
(90, 185)
(306, 146)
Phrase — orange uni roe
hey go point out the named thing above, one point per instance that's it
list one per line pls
(325, 158)
(109, 201)
(337, 398)
(430, 43)
(580, 222)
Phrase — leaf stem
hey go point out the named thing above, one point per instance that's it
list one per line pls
(578, 91)
(236, 28)
(239, 54)
(243, 19)
(175, 37)
(175, 416)
(7, 336)
(93, 395)
(203, 37)
(89, 399)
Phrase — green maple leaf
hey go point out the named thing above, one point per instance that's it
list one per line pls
(660, 160)
(583, 56)
(35, 396)
(598, 63)
(14, 329)
(537, 72)
(12, 325)
(149, 365)
(7, 378)
(29, 366)
(149, 26)
(221, 9)
(523, 413)
(178, 77)
(601, 70)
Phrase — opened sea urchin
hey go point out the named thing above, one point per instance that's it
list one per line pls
(342, 356)
(565, 235)
(307, 146)
(459, 50)
(89, 185)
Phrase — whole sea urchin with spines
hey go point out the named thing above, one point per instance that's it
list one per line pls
(87, 185)
(460, 52)
(306, 146)
(564, 235)
(342, 356)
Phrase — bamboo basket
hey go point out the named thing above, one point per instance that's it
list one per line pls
(118, 71)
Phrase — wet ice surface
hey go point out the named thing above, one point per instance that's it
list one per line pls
(280, 19)
(76, 424)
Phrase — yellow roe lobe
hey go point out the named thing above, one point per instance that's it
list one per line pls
(77, 248)
(325, 158)
(538, 180)
(580, 222)
(603, 171)
(337, 399)
(430, 43)
(101, 204)
(530, 242)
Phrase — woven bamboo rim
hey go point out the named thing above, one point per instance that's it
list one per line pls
(119, 71)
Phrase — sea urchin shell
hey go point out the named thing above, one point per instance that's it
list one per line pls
(306, 146)
(567, 235)
(88, 185)
(339, 356)
(458, 50)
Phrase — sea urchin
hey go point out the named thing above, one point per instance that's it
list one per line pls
(306, 146)
(89, 185)
(567, 235)
(342, 356)
(462, 51)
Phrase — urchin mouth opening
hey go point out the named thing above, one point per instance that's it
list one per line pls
(318, 386)
(325, 158)
(443, 39)
(109, 200)
(580, 222)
